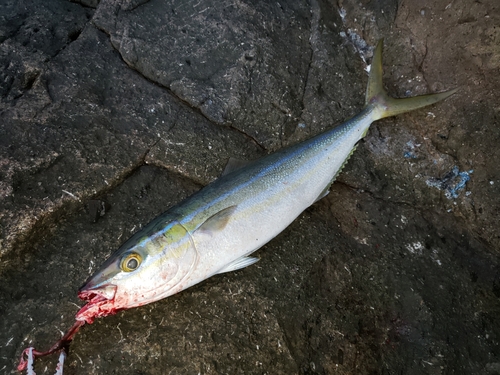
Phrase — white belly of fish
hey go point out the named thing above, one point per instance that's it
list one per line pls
(271, 204)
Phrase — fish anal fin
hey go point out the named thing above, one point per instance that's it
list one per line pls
(234, 164)
(345, 162)
(326, 190)
(217, 221)
(239, 264)
(324, 193)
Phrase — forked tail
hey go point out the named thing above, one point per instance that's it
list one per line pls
(386, 106)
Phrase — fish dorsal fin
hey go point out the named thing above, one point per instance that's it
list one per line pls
(234, 164)
(239, 264)
(217, 221)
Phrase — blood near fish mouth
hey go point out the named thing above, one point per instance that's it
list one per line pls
(100, 302)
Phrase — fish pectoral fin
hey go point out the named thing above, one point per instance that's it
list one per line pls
(217, 221)
(239, 264)
(234, 164)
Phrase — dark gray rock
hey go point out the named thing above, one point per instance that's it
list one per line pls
(94, 116)
(241, 64)
(140, 103)
(27, 43)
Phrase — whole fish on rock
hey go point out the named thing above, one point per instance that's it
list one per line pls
(217, 229)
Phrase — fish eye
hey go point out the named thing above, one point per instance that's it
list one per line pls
(131, 262)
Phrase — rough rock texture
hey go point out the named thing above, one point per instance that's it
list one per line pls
(112, 111)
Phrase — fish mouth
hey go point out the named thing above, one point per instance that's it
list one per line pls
(95, 294)
(100, 302)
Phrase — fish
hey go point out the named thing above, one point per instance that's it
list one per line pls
(217, 229)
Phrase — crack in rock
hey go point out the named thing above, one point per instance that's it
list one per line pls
(171, 92)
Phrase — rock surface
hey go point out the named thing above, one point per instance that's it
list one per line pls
(112, 111)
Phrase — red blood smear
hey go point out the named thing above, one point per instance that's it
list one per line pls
(59, 345)
(97, 306)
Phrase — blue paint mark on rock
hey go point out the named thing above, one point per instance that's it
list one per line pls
(410, 155)
(452, 183)
(412, 150)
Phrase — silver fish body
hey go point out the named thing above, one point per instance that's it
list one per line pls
(216, 229)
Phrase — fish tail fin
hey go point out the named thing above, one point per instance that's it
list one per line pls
(386, 106)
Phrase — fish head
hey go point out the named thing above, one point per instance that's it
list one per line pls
(151, 265)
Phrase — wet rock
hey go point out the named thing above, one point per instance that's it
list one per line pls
(141, 103)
